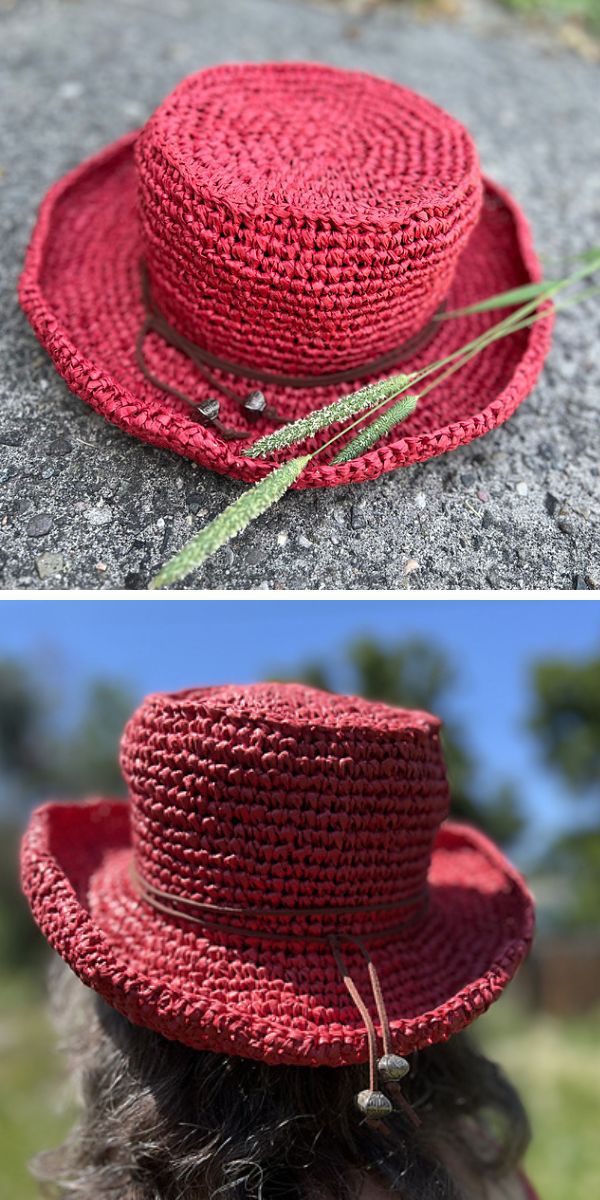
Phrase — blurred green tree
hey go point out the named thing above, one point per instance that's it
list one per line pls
(565, 719)
(44, 752)
(87, 759)
(415, 674)
(23, 722)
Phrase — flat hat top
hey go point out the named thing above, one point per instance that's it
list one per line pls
(341, 145)
(301, 218)
(279, 703)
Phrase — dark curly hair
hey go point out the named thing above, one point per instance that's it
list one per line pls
(161, 1121)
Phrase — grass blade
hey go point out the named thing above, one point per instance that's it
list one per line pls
(331, 414)
(592, 257)
(233, 520)
(528, 291)
(376, 429)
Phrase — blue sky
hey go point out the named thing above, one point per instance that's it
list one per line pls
(165, 644)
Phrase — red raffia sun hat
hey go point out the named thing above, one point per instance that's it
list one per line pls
(283, 884)
(279, 235)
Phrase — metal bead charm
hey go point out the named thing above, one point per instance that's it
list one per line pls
(373, 1105)
(392, 1067)
(209, 409)
(255, 402)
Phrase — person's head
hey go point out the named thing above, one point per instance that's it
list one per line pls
(161, 1121)
(281, 903)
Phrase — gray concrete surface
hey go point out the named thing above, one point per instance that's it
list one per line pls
(85, 506)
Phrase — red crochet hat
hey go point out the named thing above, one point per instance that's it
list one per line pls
(276, 236)
(283, 855)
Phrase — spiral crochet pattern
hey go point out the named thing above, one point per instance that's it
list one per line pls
(262, 822)
(308, 219)
(296, 219)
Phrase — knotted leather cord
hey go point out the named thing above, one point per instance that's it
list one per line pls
(144, 885)
(156, 897)
(386, 1035)
(155, 322)
(359, 1003)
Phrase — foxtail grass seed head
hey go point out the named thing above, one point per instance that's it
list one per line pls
(332, 414)
(376, 429)
(233, 520)
(254, 502)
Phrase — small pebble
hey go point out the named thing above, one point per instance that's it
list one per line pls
(569, 368)
(421, 500)
(133, 109)
(522, 489)
(483, 495)
(357, 518)
(99, 516)
(133, 581)
(71, 89)
(49, 564)
(547, 451)
(59, 446)
(39, 525)
(566, 526)
(411, 566)
(304, 542)
(282, 539)
(195, 503)
(100, 566)
(551, 503)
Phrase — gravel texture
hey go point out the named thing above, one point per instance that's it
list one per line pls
(85, 506)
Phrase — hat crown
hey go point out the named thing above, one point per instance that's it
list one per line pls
(300, 218)
(279, 797)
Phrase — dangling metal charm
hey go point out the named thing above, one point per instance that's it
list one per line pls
(373, 1105)
(209, 408)
(255, 402)
(256, 405)
(209, 412)
(392, 1067)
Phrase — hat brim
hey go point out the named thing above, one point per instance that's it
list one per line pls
(81, 291)
(278, 1002)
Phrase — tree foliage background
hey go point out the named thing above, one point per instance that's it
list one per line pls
(56, 744)
(52, 745)
(565, 720)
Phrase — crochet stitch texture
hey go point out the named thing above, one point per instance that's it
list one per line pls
(295, 218)
(276, 797)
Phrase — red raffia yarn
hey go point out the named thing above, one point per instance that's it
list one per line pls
(275, 797)
(294, 218)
